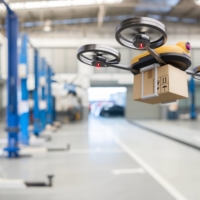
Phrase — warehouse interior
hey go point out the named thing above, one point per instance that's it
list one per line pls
(72, 127)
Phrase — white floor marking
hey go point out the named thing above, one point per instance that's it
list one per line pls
(1, 152)
(12, 184)
(3, 141)
(177, 195)
(97, 150)
(42, 150)
(33, 150)
(128, 171)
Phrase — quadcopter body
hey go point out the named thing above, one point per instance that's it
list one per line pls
(177, 55)
(158, 62)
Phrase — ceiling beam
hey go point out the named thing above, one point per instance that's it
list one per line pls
(101, 15)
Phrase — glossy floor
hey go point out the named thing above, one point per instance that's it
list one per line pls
(109, 159)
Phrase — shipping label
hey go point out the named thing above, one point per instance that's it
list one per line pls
(163, 84)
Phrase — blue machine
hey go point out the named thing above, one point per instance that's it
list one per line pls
(193, 114)
(23, 102)
(12, 111)
(36, 110)
(16, 123)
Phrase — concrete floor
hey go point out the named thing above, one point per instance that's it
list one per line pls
(183, 130)
(109, 159)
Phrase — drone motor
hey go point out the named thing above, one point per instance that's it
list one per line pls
(99, 61)
(141, 41)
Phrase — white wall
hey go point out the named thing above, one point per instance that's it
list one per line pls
(3, 70)
(3, 43)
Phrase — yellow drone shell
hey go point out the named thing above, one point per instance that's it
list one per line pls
(179, 48)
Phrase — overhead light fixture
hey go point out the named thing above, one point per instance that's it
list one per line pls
(2, 7)
(56, 4)
(47, 26)
(197, 2)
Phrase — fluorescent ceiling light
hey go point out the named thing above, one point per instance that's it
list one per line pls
(172, 19)
(57, 4)
(2, 7)
(162, 6)
(47, 26)
(158, 17)
(189, 20)
(197, 2)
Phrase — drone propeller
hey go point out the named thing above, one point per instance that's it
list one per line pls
(105, 55)
(133, 31)
(98, 55)
(197, 73)
(128, 30)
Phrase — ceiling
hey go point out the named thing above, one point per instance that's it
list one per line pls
(101, 17)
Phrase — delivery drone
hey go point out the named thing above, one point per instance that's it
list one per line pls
(141, 33)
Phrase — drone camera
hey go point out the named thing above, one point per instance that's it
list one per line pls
(188, 46)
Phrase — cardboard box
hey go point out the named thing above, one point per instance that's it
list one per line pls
(172, 85)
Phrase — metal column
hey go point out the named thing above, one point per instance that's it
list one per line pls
(12, 112)
(54, 109)
(193, 114)
(23, 103)
(49, 97)
(53, 101)
(36, 111)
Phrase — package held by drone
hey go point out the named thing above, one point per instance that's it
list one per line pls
(171, 85)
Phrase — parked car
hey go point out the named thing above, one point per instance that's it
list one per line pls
(113, 110)
(97, 107)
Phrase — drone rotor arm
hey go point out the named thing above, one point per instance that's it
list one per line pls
(194, 73)
(155, 55)
(124, 67)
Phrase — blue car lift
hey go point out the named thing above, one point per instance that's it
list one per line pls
(12, 111)
(23, 104)
(193, 114)
(43, 96)
(49, 97)
(53, 100)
